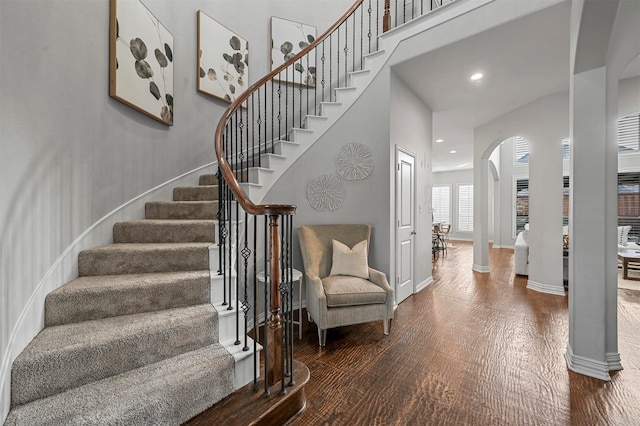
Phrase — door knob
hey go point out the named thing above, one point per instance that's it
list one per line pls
(413, 232)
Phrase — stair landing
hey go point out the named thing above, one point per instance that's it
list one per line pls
(247, 407)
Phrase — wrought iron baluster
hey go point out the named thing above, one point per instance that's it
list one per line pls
(289, 252)
(338, 61)
(246, 252)
(284, 298)
(279, 116)
(323, 81)
(255, 301)
(346, 51)
(330, 67)
(377, 22)
(300, 89)
(265, 335)
(293, 100)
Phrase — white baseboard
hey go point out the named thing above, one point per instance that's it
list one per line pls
(586, 366)
(31, 320)
(424, 284)
(546, 288)
(481, 268)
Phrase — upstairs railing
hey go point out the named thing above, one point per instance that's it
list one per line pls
(256, 126)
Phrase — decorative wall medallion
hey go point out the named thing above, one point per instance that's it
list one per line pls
(354, 161)
(326, 192)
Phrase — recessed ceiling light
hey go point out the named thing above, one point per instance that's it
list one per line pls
(477, 76)
(439, 140)
(452, 151)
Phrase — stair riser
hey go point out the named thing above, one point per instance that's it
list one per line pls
(96, 262)
(181, 210)
(195, 193)
(58, 371)
(140, 232)
(119, 299)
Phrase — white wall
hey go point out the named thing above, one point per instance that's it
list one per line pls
(70, 154)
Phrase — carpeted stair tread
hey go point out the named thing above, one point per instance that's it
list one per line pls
(168, 392)
(195, 193)
(208, 179)
(106, 347)
(181, 210)
(91, 298)
(164, 231)
(116, 259)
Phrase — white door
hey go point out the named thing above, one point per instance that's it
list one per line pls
(405, 195)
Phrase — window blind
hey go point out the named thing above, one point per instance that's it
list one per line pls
(629, 203)
(629, 134)
(465, 208)
(522, 204)
(521, 150)
(441, 202)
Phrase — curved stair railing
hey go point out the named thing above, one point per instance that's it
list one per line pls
(251, 134)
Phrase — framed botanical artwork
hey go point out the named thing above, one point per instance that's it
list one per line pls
(223, 60)
(287, 39)
(140, 60)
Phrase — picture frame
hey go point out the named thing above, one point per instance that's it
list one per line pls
(223, 60)
(287, 39)
(140, 60)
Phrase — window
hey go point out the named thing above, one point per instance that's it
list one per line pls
(629, 203)
(520, 150)
(522, 204)
(465, 208)
(565, 200)
(440, 201)
(629, 134)
(566, 148)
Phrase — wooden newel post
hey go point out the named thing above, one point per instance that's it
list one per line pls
(274, 330)
(386, 19)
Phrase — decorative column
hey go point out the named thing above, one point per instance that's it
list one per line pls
(480, 214)
(593, 329)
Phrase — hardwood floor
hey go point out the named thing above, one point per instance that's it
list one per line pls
(470, 349)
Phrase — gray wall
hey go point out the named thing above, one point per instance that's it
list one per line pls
(412, 129)
(71, 155)
(367, 200)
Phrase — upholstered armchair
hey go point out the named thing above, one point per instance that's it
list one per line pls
(342, 296)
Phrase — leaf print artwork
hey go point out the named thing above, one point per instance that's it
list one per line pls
(288, 38)
(142, 60)
(225, 56)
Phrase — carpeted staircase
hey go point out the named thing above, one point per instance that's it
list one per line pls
(135, 339)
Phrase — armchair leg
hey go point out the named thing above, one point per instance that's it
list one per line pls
(309, 317)
(322, 337)
(387, 326)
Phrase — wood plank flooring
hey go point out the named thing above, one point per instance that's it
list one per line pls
(470, 349)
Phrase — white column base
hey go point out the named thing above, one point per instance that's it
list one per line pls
(481, 268)
(586, 366)
(546, 288)
(613, 360)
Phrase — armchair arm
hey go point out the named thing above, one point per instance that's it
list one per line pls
(316, 299)
(380, 279)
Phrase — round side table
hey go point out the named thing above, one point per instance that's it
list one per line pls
(295, 278)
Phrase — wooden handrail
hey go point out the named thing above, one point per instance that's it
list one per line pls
(223, 165)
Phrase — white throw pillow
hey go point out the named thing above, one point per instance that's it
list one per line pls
(623, 235)
(348, 261)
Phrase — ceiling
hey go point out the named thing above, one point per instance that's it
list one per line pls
(522, 60)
